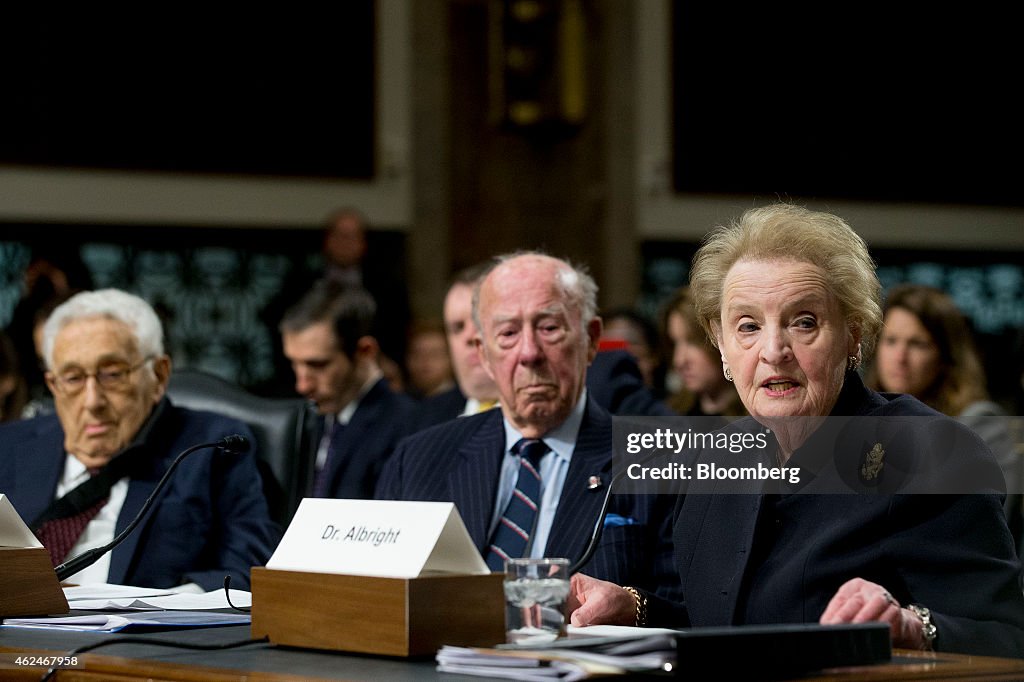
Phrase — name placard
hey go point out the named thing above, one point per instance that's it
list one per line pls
(13, 531)
(379, 538)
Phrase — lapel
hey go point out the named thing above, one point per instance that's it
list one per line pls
(37, 477)
(150, 462)
(473, 479)
(723, 549)
(139, 491)
(724, 523)
(352, 440)
(579, 505)
(724, 552)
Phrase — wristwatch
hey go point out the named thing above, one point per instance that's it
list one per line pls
(928, 630)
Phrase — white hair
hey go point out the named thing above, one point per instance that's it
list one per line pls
(573, 281)
(112, 304)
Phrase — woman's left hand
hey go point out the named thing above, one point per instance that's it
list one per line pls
(861, 601)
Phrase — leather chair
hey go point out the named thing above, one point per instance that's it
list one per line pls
(285, 430)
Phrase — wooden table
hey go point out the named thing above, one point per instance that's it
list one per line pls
(263, 662)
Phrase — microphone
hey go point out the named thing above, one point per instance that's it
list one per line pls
(595, 537)
(233, 443)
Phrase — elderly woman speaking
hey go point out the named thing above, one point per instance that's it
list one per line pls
(791, 299)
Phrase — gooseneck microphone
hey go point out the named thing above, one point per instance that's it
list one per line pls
(595, 537)
(233, 443)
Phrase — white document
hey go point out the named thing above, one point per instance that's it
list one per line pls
(110, 591)
(126, 598)
(13, 531)
(379, 538)
(116, 622)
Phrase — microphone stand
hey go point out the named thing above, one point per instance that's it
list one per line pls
(233, 443)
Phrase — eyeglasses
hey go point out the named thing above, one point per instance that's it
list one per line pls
(115, 376)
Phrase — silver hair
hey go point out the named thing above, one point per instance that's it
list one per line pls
(112, 304)
(574, 281)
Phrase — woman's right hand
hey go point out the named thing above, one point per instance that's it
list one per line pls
(598, 602)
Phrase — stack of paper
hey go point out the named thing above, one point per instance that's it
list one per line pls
(106, 597)
(113, 622)
(137, 607)
(588, 652)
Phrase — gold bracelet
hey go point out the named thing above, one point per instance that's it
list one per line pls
(641, 606)
(928, 630)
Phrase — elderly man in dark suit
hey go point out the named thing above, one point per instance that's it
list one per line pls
(529, 479)
(327, 336)
(79, 477)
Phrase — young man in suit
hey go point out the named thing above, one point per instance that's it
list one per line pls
(327, 337)
(79, 477)
(537, 469)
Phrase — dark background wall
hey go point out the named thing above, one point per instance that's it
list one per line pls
(873, 112)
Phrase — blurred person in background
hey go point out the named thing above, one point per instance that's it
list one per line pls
(427, 363)
(53, 275)
(474, 390)
(347, 261)
(13, 388)
(350, 256)
(327, 335)
(640, 337)
(928, 351)
(697, 364)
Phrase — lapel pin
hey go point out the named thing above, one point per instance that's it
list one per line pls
(593, 483)
(873, 463)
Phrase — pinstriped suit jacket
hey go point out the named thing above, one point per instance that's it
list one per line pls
(460, 461)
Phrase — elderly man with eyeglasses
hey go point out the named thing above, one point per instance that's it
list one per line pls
(79, 477)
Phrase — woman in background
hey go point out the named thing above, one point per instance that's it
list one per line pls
(697, 364)
(927, 350)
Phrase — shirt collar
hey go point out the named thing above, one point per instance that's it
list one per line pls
(562, 438)
(346, 413)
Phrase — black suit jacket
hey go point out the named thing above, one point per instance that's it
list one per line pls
(367, 441)
(755, 558)
(438, 409)
(615, 383)
(460, 462)
(210, 520)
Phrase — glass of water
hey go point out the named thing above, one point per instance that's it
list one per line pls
(535, 595)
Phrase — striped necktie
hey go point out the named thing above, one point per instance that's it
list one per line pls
(512, 536)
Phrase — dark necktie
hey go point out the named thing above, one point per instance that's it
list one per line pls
(322, 479)
(512, 536)
(60, 534)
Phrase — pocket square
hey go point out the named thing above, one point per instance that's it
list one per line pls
(613, 520)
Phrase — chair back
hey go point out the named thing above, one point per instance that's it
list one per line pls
(285, 430)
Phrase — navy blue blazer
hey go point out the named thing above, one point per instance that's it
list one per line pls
(779, 558)
(460, 462)
(614, 382)
(438, 409)
(367, 441)
(210, 521)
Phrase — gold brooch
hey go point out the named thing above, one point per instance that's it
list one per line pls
(873, 465)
